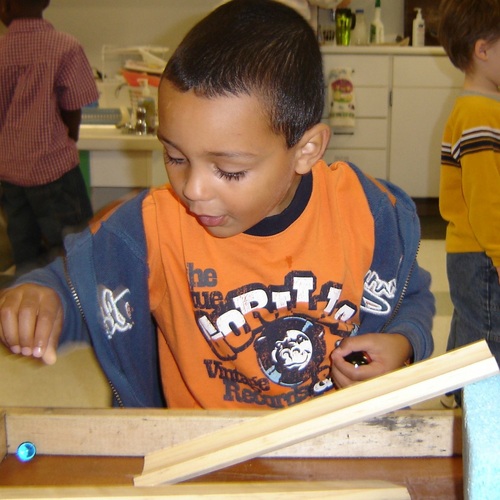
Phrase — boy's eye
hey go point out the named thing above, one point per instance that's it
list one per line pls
(170, 160)
(230, 176)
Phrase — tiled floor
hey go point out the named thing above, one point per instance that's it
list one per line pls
(76, 381)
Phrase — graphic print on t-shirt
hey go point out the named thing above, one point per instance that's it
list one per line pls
(285, 331)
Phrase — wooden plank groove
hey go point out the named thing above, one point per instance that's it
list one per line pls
(286, 427)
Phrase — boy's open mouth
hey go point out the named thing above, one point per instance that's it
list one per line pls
(210, 220)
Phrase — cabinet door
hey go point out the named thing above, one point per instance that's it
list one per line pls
(425, 71)
(424, 89)
(418, 119)
(367, 134)
(368, 71)
(370, 102)
(120, 168)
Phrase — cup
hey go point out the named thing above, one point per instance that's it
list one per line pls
(345, 21)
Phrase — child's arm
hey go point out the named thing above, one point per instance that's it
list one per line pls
(72, 120)
(31, 319)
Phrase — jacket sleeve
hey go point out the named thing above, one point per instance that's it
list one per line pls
(413, 319)
(107, 305)
(397, 296)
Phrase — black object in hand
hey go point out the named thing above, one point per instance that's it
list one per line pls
(358, 358)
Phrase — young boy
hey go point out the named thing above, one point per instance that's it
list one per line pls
(45, 80)
(470, 172)
(256, 259)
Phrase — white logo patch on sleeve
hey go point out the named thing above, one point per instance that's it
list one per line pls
(116, 310)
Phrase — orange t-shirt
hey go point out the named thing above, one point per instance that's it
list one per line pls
(250, 321)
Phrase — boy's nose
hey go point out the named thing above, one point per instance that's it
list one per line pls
(196, 184)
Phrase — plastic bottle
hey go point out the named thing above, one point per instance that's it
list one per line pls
(147, 102)
(376, 26)
(359, 35)
(418, 34)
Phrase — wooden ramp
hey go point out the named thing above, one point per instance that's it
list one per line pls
(283, 428)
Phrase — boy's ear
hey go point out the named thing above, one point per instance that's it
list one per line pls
(481, 49)
(311, 147)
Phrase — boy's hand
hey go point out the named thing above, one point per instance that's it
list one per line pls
(386, 351)
(31, 319)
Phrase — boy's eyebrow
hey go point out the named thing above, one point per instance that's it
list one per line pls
(232, 154)
(218, 154)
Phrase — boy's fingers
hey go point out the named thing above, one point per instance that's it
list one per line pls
(46, 345)
(9, 333)
(31, 309)
(48, 328)
(49, 357)
(30, 321)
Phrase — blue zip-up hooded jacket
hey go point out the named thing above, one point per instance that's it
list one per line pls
(116, 255)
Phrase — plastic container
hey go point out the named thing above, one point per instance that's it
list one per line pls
(418, 33)
(377, 26)
(359, 35)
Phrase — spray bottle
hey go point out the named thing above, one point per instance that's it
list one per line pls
(376, 26)
(418, 35)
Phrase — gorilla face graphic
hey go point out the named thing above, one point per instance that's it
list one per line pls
(291, 350)
(294, 352)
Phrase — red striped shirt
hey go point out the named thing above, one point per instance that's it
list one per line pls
(41, 71)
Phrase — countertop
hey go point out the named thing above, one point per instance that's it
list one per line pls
(387, 50)
(108, 137)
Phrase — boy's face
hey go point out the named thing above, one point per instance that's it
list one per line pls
(223, 160)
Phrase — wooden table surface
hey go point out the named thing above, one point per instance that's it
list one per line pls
(425, 478)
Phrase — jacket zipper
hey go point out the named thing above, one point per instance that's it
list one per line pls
(72, 289)
(403, 293)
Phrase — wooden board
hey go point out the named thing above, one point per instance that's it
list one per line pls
(425, 478)
(355, 490)
(315, 417)
(117, 431)
(134, 432)
(113, 431)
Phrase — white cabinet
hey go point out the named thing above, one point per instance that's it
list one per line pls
(127, 168)
(424, 89)
(366, 145)
(403, 100)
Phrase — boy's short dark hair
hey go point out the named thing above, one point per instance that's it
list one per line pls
(257, 47)
(462, 23)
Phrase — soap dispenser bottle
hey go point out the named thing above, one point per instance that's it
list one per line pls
(418, 34)
(376, 26)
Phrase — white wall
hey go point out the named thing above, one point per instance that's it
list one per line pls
(126, 22)
(159, 22)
